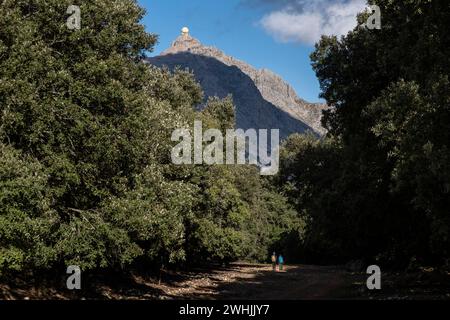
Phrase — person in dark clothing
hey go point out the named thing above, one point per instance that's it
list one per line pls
(274, 261)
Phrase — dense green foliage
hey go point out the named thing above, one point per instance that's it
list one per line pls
(378, 187)
(85, 140)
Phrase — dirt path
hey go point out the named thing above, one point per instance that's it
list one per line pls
(241, 282)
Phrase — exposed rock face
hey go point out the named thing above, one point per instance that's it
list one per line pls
(263, 100)
(277, 91)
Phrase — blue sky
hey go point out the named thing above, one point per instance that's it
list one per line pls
(265, 33)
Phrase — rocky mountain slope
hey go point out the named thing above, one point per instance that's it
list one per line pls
(263, 100)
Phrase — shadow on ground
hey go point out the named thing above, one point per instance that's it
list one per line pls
(260, 282)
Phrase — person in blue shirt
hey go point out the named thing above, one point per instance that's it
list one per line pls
(280, 262)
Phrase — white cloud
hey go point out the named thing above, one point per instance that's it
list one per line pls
(305, 21)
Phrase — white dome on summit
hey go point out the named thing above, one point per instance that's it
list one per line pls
(185, 30)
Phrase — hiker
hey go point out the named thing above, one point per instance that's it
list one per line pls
(274, 261)
(280, 262)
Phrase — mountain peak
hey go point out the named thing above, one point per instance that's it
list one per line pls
(184, 42)
(272, 88)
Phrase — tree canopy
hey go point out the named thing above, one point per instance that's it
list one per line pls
(377, 187)
(85, 171)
